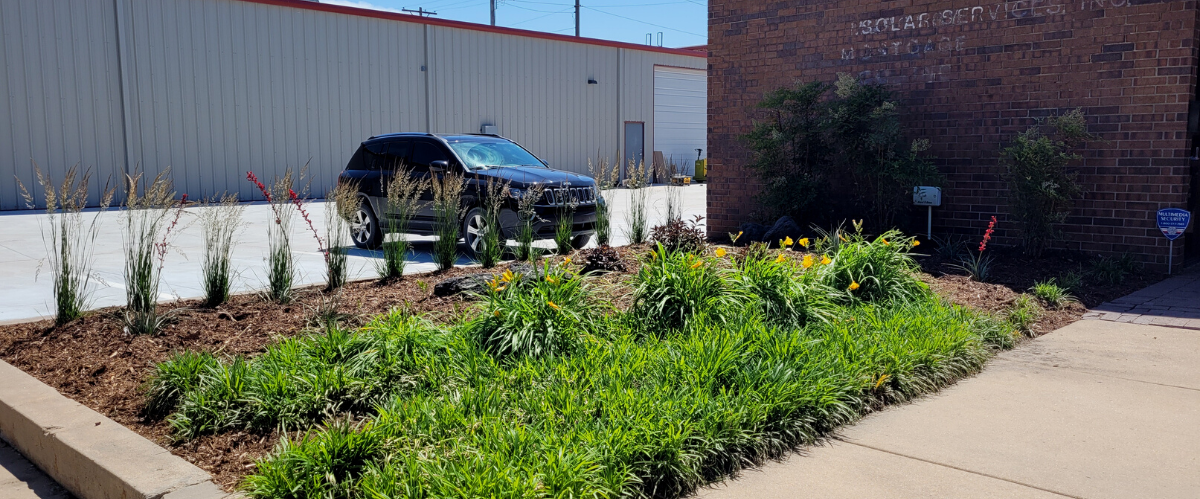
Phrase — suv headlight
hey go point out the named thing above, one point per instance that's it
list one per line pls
(516, 193)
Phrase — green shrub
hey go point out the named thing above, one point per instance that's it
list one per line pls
(178, 375)
(822, 157)
(672, 287)
(788, 292)
(1041, 189)
(544, 314)
(875, 269)
(1051, 293)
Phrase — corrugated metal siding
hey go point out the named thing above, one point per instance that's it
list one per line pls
(59, 94)
(220, 87)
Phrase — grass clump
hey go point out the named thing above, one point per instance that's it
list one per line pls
(628, 415)
(281, 264)
(1023, 313)
(673, 287)
(447, 209)
(297, 382)
(546, 313)
(220, 221)
(1052, 294)
(341, 203)
(526, 217)
(403, 193)
(606, 174)
(151, 213)
(635, 218)
(874, 269)
(69, 239)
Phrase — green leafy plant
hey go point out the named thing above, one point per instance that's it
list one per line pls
(220, 222)
(564, 226)
(823, 157)
(1042, 190)
(447, 210)
(1071, 279)
(403, 193)
(951, 247)
(1023, 313)
(635, 218)
(673, 287)
(281, 264)
(526, 217)
(151, 214)
(494, 195)
(341, 203)
(606, 174)
(788, 292)
(978, 265)
(1111, 270)
(545, 314)
(172, 379)
(1051, 293)
(69, 240)
(874, 269)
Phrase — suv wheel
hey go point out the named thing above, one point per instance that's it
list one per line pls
(578, 242)
(364, 228)
(473, 230)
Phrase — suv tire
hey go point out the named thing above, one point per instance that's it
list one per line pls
(364, 227)
(578, 242)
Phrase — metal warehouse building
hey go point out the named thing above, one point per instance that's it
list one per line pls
(216, 88)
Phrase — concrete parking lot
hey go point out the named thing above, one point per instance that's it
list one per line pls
(27, 295)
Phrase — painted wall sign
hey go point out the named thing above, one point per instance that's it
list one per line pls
(927, 196)
(1173, 221)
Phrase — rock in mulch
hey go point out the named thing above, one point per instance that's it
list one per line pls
(752, 233)
(784, 228)
(476, 283)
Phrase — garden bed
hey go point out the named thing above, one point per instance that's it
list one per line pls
(94, 362)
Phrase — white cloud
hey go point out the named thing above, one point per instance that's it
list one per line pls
(361, 5)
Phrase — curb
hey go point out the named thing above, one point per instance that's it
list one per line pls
(88, 454)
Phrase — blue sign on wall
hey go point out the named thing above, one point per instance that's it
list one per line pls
(1173, 221)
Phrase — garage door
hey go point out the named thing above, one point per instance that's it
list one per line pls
(680, 114)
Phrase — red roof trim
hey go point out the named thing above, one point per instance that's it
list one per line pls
(392, 16)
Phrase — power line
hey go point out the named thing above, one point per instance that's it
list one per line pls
(420, 12)
(644, 22)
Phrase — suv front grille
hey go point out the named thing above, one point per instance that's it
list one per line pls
(570, 195)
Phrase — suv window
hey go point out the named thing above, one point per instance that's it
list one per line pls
(397, 154)
(424, 153)
(374, 155)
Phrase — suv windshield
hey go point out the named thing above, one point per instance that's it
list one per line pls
(491, 153)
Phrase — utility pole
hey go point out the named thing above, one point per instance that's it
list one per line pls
(576, 18)
(493, 2)
(420, 12)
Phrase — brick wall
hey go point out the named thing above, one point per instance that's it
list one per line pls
(970, 75)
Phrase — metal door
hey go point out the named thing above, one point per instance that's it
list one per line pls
(635, 147)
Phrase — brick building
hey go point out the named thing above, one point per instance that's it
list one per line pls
(970, 75)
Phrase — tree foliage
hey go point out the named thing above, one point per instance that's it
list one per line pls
(1041, 188)
(824, 158)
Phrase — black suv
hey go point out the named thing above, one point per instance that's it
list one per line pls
(478, 158)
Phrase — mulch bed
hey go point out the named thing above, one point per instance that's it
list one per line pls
(96, 363)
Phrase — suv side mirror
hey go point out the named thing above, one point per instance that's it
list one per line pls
(439, 166)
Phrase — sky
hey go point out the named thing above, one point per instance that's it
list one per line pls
(682, 22)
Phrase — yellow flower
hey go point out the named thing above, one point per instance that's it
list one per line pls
(720, 252)
(843, 238)
(493, 284)
(508, 276)
(825, 260)
(496, 313)
(804, 242)
(807, 261)
(886, 243)
(780, 258)
(882, 378)
(553, 305)
(787, 243)
(853, 285)
(697, 264)
(552, 280)
(567, 261)
(916, 243)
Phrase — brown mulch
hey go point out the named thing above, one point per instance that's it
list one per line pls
(94, 362)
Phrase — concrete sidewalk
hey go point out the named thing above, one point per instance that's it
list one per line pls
(1094, 410)
(27, 294)
(20, 479)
